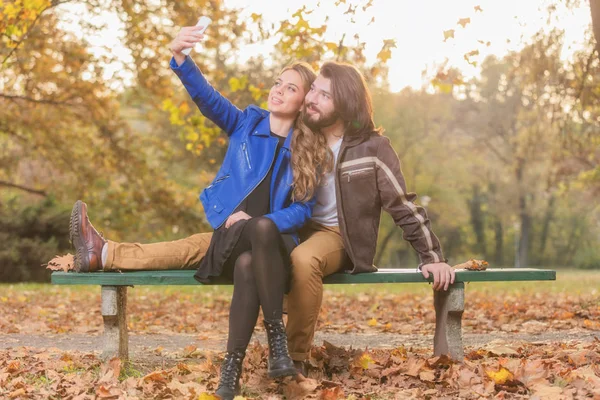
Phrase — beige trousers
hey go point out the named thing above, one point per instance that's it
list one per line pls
(178, 254)
(320, 253)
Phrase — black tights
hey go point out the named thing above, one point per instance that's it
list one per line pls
(259, 279)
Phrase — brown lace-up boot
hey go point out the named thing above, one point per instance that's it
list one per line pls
(85, 239)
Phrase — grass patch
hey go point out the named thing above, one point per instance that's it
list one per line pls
(129, 370)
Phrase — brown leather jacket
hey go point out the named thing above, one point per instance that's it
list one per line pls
(369, 178)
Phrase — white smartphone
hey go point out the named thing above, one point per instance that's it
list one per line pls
(204, 22)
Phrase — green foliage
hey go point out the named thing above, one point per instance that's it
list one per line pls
(29, 236)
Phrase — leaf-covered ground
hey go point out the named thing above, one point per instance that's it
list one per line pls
(560, 369)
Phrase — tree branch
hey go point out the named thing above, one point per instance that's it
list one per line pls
(53, 4)
(29, 99)
(595, 8)
(24, 188)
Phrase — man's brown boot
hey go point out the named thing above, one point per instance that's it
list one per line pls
(86, 240)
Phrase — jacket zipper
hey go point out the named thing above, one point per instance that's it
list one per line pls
(355, 172)
(255, 186)
(246, 154)
(217, 181)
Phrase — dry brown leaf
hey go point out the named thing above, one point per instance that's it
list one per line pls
(333, 393)
(17, 393)
(473, 265)
(414, 366)
(64, 263)
(298, 390)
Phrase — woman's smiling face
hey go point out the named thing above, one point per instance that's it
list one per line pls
(287, 94)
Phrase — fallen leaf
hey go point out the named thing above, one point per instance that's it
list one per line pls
(298, 390)
(334, 393)
(501, 376)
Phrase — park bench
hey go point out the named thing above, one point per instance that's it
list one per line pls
(449, 305)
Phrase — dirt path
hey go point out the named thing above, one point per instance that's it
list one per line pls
(159, 347)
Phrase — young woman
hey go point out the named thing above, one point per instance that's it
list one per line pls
(262, 194)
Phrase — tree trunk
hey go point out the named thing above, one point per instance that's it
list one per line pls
(477, 217)
(525, 232)
(595, 7)
(525, 219)
(546, 225)
(499, 237)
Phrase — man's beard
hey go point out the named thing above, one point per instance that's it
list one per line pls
(322, 122)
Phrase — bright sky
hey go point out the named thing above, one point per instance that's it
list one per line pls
(417, 27)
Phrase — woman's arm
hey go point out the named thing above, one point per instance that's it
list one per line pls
(293, 217)
(211, 103)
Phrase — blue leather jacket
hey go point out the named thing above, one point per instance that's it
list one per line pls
(249, 156)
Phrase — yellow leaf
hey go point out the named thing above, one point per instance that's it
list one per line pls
(234, 84)
(331, 46)
(448, 34)
(384, 55)
(478, 8)
(372, 322)
(207, 396)
(501, 376)
(365, 361)
(4, 299)
(255, 17)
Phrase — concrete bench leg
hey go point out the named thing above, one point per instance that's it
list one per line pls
(449, 306)
(114, 313)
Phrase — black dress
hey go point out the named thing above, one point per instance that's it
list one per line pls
(222, 253)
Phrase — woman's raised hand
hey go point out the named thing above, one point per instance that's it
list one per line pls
(187, 38)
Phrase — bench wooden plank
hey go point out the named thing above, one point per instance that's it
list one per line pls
(185, 277)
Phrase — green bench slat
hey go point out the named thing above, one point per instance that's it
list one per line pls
(185, 277)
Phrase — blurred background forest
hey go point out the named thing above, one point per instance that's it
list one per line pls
(506, 160)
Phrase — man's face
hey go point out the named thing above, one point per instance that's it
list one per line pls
(318, 103)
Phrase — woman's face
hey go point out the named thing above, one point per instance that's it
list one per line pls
(287, 94)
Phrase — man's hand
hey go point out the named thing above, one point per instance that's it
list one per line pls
(233, 218)
(443, 275)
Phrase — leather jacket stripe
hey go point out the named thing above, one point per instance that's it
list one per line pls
(411, 206)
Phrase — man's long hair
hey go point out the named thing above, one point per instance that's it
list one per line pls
(311, 157)
(351, 98)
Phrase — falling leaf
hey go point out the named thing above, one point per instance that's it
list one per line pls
(448, 34)
(464, 21)
(478, 9)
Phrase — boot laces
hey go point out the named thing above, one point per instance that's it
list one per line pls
(277, 339)
(230, 370)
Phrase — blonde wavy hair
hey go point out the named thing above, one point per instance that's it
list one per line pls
(311, 156)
